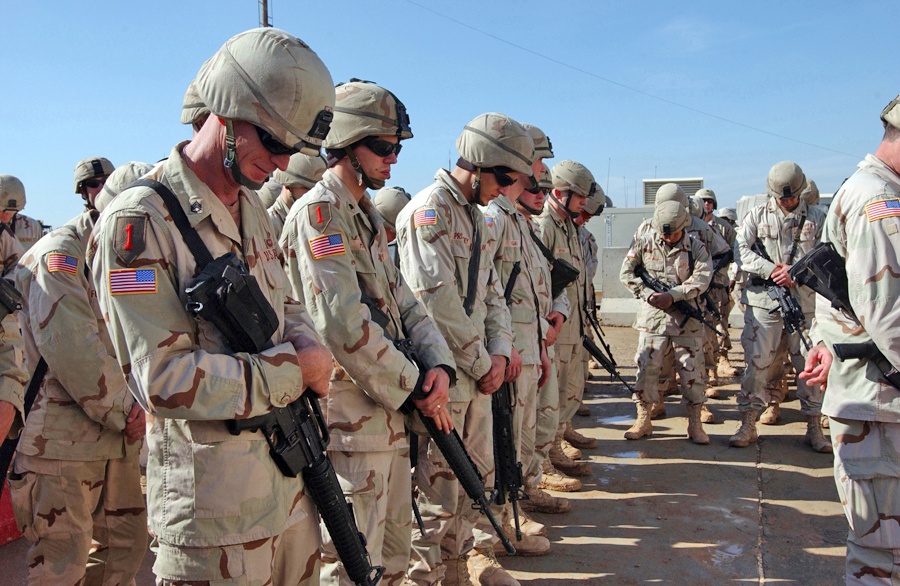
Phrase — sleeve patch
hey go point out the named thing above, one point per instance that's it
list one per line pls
(884, 208)
(489, 220)
(62, 263)
(132, 281)
(425, 217)
(327, 245)
(319, 215)
(129, 239)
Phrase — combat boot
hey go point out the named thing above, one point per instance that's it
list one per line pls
(528, 525)
(668, 387)
(571, 451)
(583, 410)
(706, 416)
(711, 379)
(578, 440)
(746, 435)
(713, 393)
(456, 572)
(530, 546)
(695, 427)
(642, 426)
(484, 569)
(814, 435)
(541, 502)
(553, 479)
(771, 415)
(658, 411)
(724, 368)
(566, 464)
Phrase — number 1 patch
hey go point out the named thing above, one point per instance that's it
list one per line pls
(130, 235)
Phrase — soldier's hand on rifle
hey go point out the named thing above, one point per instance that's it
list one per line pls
(661, 300)
(135, 424)
(556, 320)
(514, 369)
(780, 275)
(316, 364)
(489, 383)
(818, 363)
(437, 388)
(545, 367)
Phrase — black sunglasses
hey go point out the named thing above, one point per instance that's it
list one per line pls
(272, 144)
(93, 183)
(503, 180)
(381, 147)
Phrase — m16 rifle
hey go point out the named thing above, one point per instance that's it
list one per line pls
(604, 359)
(687, 310)
(788, 307)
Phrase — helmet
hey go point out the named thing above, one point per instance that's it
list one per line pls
(708, 194)
(571, 176)
(546, 180)
(118, 181)
(728, 214)
(364, 109)
(302, 171)
(891, 113)
(696, 207)
(811, 194)
(543, 148)
(91, 168)
(496, 140)
(785, 179)
(595, 201)
(12, 194)
(671, 192)
(272, 80)
(192, 107)
(669, 217)
(389, 201)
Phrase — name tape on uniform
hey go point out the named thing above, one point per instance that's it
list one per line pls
(57, 262)
(425, 217)
(327, 245)
(131, 281)
(884, 208)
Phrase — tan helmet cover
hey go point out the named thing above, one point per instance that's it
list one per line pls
(728, 214)
(302, 171)
(118, 180)
(389, 201)
(570, 175)
(364, 109)
(546, 181)
(543, 148)
(192, 107)
(12, 194)
(891, 113)
(811, 194)
(273, 80)
(785, 179)
(708, 194)
(90, 168)
(671, 192)
(696, 206)
(669, 217)
(595, 201)
(496, 140)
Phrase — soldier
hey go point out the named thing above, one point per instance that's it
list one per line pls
(443, 239)
(670, 254)
(25, 229)
(347, 286)
(573, 183)
(810, 195)
(118, 181)
(592, 207)
(785, 228)
(388, 202)
(302, 174)
(193, 110)
(90, 176)
(863, 405)
(218, 504)
(76, 478)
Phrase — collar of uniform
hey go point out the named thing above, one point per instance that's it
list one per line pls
(773, 207)
(504, 204)
(551, 211)
(446, 181)
(876, 166)
(331, 182)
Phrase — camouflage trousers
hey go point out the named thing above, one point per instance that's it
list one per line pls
(378, 485)
(445, 507)
(713, 347)
(867, 476)
(726, 304)
(546, 423)
(571, 381)
(86, 520)
(766, 347)
(651, 351)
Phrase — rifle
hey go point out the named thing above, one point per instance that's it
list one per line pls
(607, 361)
(686, 309)
(788, 307)
(824, 271)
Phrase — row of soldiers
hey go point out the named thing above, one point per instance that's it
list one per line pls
(392, 345)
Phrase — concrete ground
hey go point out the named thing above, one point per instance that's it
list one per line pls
(666, 511)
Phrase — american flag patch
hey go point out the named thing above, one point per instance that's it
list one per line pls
(327, 245)
(884, 208)
(425, 217)
(62, 262)
(127, 281)
(489, 221)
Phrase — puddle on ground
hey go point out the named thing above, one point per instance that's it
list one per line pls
(616, 419)
(726, 553)
(627, 455)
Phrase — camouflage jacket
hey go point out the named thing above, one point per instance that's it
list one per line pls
(724, 228)
(206, 487)
(560, 235)
(672, 265)
(714, 243)
(329, 262)
(510, 233)
(591, 262)
(776, 231)
(12, 376)
(80, 409)
(27, 230)
(863, 223)
(278, 213)
(434, 239)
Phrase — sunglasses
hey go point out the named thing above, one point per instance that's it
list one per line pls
(93, 183)
(272, 144)
(381, 147)
(503, 180)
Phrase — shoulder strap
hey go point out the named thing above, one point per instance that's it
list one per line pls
(474, 261)
(191, 237)
(796, 242)
(541, 246)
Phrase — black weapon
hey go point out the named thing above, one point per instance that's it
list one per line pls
(10, 298)
(9, 444)
(562, 273)
(687, 310)
(606, 360)
(788, 307)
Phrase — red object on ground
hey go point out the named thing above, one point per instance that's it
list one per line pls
(8, 530)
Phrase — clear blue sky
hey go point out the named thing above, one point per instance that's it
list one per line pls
(106, 78)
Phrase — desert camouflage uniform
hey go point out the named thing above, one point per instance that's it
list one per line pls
(591, 262)
(764, 338)
(217, 502)
(720, 290)
(12, 374)
(27, 230)
(659, 328)
(864, 408)
(278, 213)
(435, 257)
(368, 446)
(77, 481)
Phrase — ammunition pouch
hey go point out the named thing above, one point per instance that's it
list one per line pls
(562, 274)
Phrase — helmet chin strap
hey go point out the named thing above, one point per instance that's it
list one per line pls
(565, 206)
(231, 159)
(360, 174)
(476, 186)
(528, 208)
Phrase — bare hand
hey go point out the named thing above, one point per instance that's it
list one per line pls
(436, 387)
(490, 382)
(7, 416)
(780, 275)
(545, 367)
(818, 363)
(316, 364)
(556, 320)
(661, 300)
(514, 368)
(135, 424)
